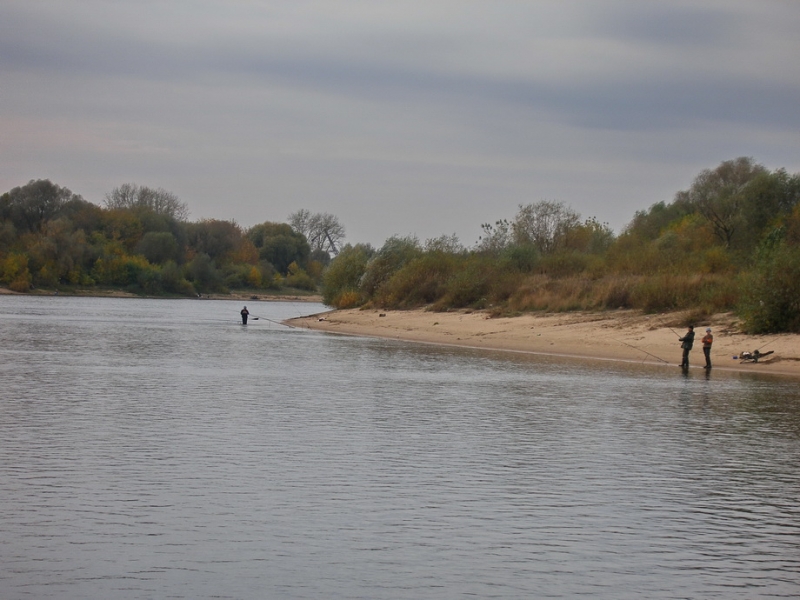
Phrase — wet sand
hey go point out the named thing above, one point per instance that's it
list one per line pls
(614, 335)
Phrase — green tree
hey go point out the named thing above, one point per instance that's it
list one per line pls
(767, 201)
(173, 281)
(8, 236)
(159, 247)
(14, 271)
(120, 269)
(218, 239)
(64, 253)
(83, 215)
(280, 245)
(544, 225)
(421, 280)
(298, 278)
(342, 278)
(123, 226)
(771, 299)
(591, 237)
(719, 195)
(32, 205)
(203, 273)
(395, 253)
(650, 224)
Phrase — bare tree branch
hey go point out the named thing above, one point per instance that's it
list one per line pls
(160, 201)
(323, 231)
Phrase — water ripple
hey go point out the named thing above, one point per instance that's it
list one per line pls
(160, 449)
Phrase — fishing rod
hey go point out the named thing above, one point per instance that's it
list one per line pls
(640, 350)
(765, 345)
(297, 310)
(219, 320)
(273, 321)
(675, 332)
(300, 315)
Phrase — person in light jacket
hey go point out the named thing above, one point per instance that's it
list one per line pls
(707, 340)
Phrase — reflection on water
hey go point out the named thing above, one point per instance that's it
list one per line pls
(160, 449)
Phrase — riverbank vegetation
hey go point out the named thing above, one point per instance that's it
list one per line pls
(141, 242)
(729, 242)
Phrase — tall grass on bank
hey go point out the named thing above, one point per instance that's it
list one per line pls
(711, 293)
(444, 281)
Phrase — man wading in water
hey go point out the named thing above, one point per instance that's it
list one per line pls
(687, 341)
(244, 312)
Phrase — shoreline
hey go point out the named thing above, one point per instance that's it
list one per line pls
(621, 335)
(111, 293)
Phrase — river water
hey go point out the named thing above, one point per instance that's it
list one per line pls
(160, 449)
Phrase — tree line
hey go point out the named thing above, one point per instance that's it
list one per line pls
(730, 242)
(141, 240)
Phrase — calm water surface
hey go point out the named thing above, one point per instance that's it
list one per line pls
(159, 449)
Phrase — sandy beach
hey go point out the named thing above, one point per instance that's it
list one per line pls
(614, 335)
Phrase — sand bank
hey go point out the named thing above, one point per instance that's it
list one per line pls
(615, 335)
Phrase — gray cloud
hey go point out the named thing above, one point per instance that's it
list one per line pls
(696, 25)
(427, 118)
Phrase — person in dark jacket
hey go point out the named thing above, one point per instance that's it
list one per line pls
(687, 341)
(244, 313)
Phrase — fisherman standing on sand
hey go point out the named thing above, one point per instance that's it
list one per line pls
(707, 340)
(687, 341)
(244, 313)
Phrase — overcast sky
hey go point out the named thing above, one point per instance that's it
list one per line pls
(415, 117)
